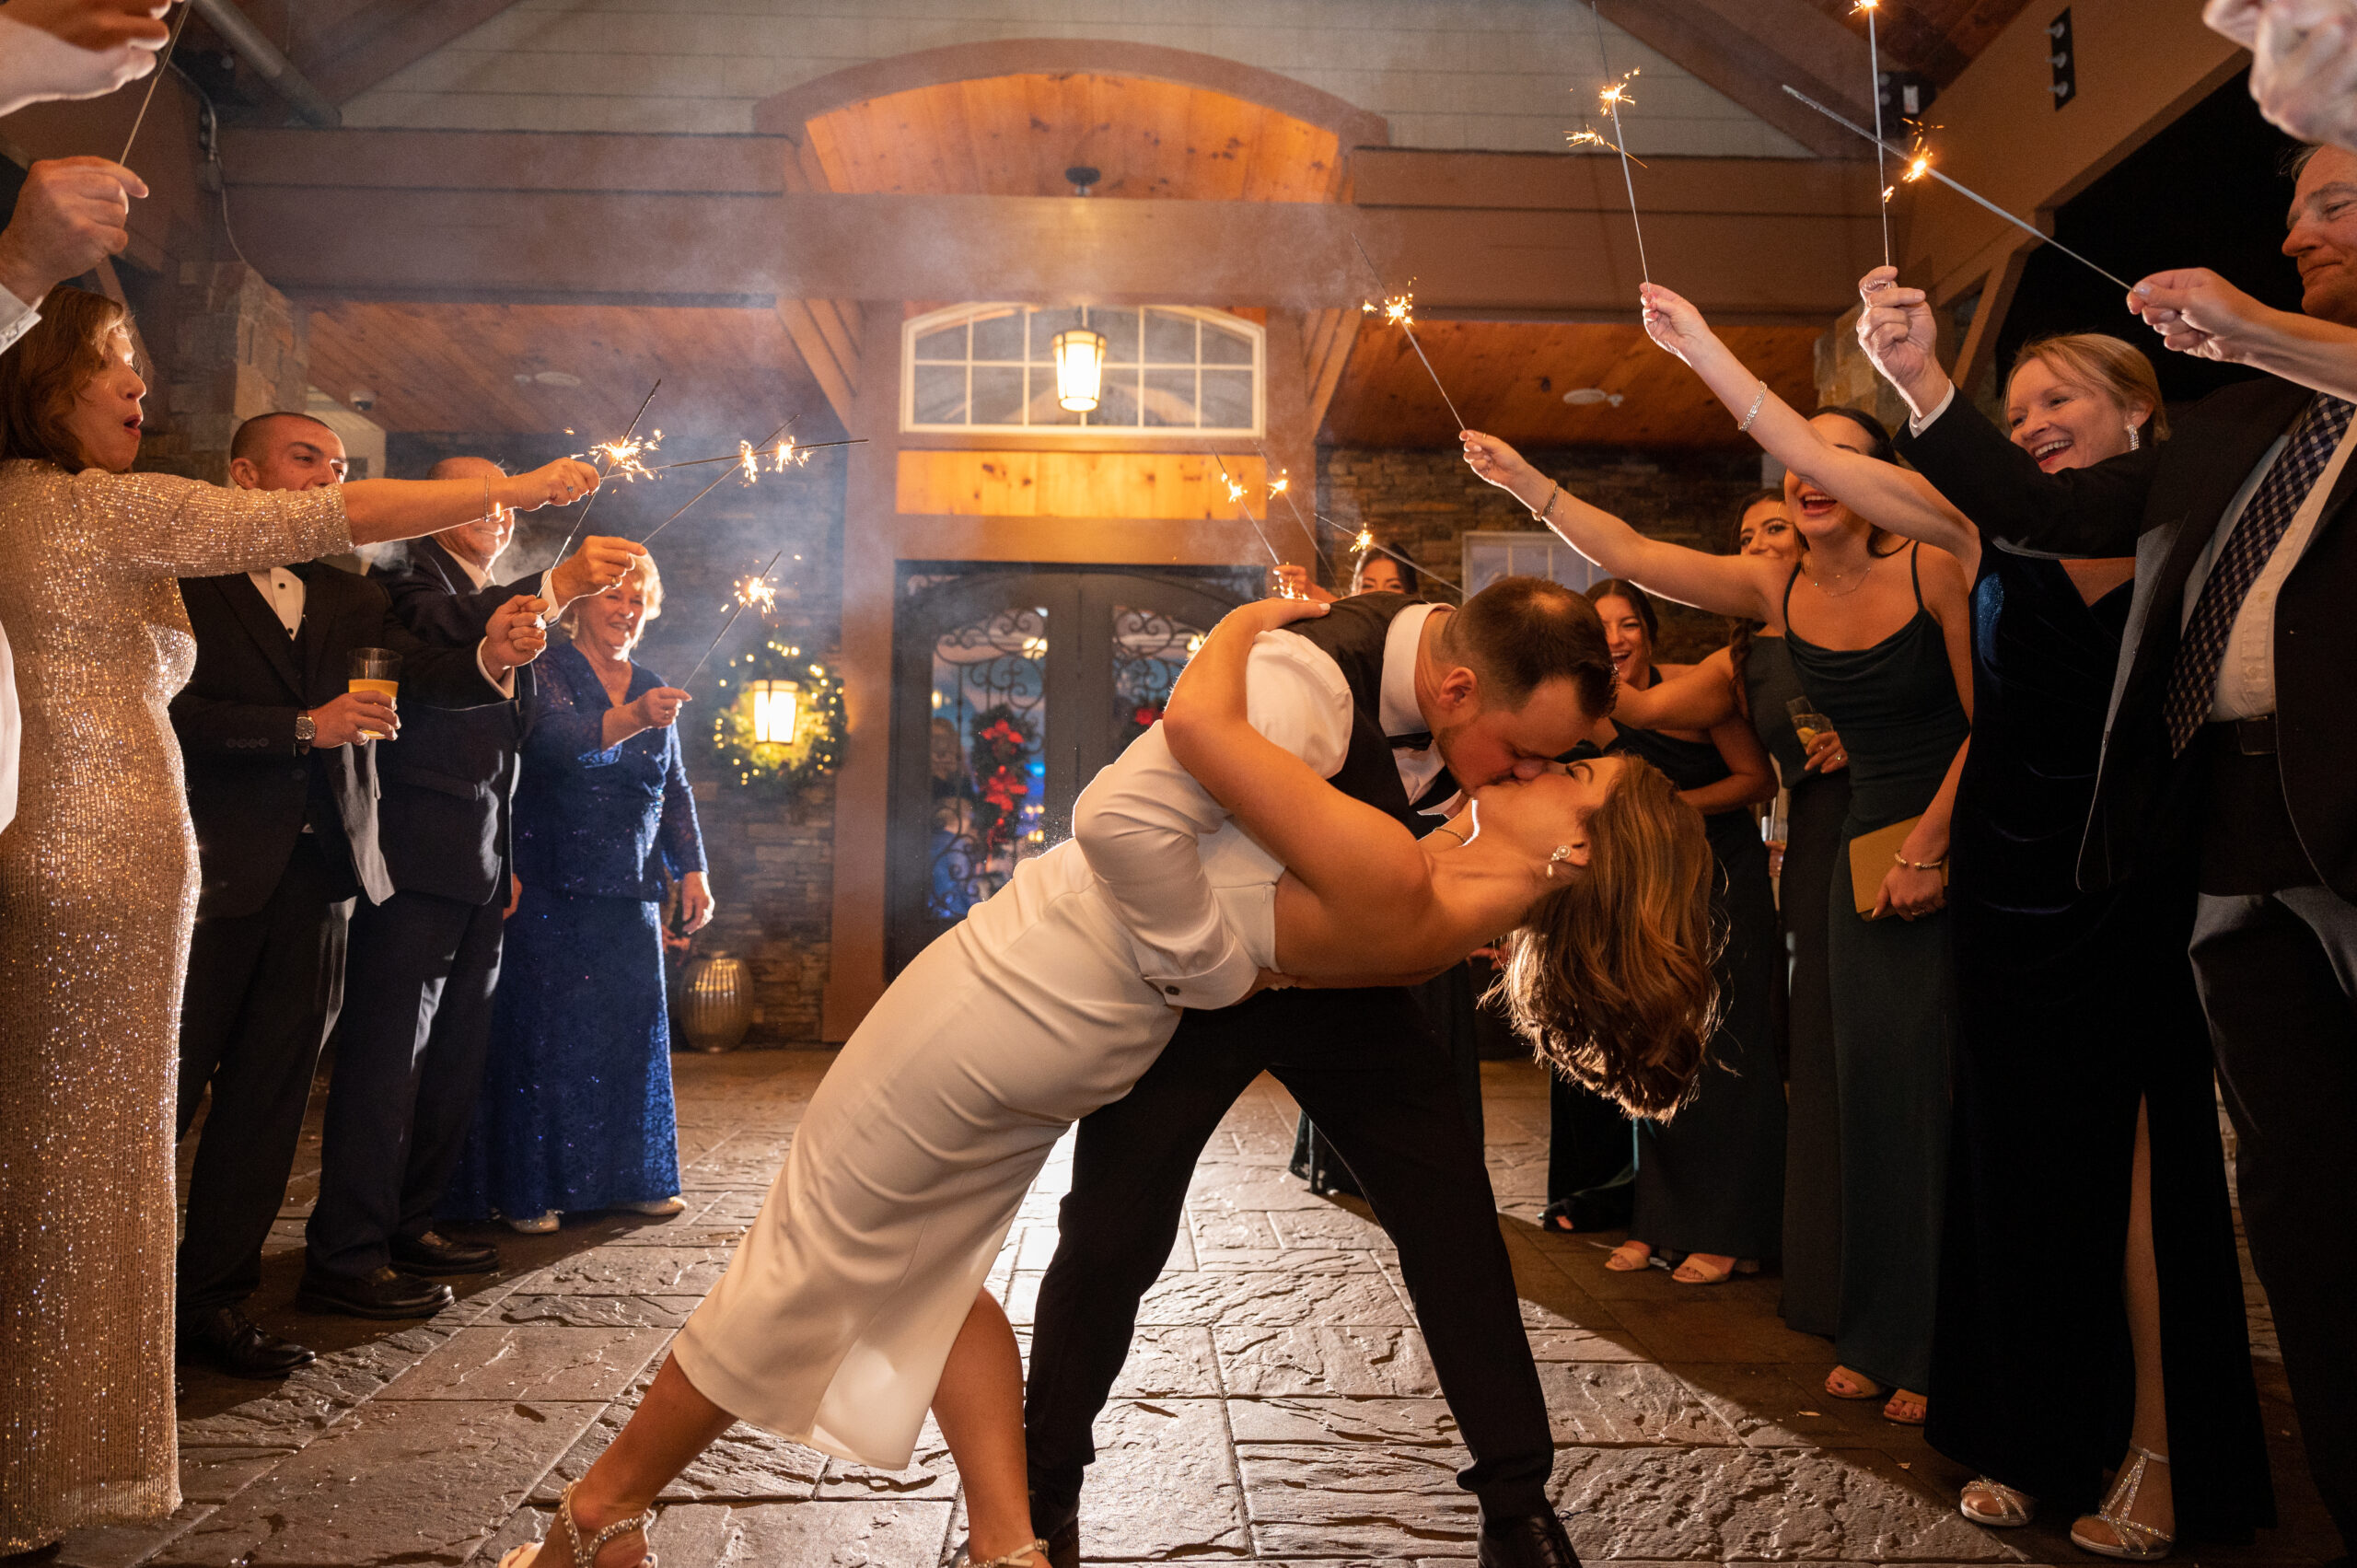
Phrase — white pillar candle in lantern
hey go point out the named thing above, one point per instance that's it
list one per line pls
(1080, 367)
(777, 707)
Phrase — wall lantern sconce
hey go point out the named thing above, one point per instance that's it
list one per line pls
(777, 709)
(1080, 368)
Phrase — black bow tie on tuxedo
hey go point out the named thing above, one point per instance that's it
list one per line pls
(1420, 741)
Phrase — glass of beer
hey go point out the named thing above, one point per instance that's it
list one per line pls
(375, 669)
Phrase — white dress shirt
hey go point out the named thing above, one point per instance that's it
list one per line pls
(17, 319)
(285, 595)
(35, 65)
(1138, 822)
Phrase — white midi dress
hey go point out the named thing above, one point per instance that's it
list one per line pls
(835, 1317)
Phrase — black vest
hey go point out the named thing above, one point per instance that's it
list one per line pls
(1353, 633)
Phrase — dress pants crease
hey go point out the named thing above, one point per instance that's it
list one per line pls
(262, 991)
(409, 1065)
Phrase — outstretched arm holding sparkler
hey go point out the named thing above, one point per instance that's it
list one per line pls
(1896, 499)
(2199, 313)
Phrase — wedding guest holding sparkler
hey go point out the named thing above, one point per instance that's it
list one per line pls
(2087, 995)
(576, 1111)
(424, 962)
(1710, 1184)
(98, 889)
(1879, 632)
(1753, 674)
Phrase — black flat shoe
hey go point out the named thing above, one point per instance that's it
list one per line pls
(385, 1293)
(1526, 1541)
(224, 1337)
(431, 1252)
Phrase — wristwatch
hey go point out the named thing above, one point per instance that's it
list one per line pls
(305, 731)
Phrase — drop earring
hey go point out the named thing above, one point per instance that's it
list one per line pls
(2135, 437)
(1562, 853)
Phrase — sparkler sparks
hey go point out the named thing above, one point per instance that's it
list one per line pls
(757, 593)
(1920, 165)
(626, 459)
(1399, 311)
(575, 531)
(1235, 494)
(740, 464)
(751, 591)
(1611, 98)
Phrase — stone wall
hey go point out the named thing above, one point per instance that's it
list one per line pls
(238, 351)
(1419, 502)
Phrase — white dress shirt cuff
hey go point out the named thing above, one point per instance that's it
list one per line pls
(17, 319)
(482, 667)
(1229, 981)
(1917, 426)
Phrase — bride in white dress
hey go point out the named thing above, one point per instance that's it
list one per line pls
(857, 1299)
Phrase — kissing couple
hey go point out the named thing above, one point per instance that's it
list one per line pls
(1339, 800)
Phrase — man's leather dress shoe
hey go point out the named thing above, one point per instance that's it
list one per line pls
(1526, 1541)
(431, 1252)
(384, 1293)
(225, 1338)
(1059, 1527)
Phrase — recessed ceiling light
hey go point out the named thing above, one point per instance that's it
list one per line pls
(1581, 397)
(557, 379)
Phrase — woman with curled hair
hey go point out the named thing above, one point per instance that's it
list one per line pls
(858, 1298)
(576, 1112)
(2085, 1106)
(98, 892)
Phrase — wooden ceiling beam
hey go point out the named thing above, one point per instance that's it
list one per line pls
(825, 341)
(1749, 49)
(383, 37)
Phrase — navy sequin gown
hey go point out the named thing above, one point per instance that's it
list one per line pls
(2076, 1006)
(576, 1109)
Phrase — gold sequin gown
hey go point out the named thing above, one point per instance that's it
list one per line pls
(98, 894)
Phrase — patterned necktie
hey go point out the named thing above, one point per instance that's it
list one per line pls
(2193, 679)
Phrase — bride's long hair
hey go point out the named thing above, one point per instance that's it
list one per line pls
(1609, 976)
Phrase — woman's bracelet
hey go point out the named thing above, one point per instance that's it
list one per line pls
(1901, 857)
(1538, 514)
(1758, 399)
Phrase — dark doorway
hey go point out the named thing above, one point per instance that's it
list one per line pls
(2208, 192)
(1012, 686)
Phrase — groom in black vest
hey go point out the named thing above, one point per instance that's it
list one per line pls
(1399, 704)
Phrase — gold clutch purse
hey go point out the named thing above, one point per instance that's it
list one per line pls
(1871, 857)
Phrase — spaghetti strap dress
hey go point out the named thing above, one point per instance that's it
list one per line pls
(1816, 805)
(1893, 984)
(2076, 1006)
(1711, 1179)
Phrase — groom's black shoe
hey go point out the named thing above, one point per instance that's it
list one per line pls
(1526, 1540)
(1059, 1526)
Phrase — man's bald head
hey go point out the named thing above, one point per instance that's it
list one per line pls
(480, 541)
(2323, 237)
(286, 451)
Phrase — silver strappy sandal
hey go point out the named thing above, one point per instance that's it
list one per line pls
(585, 1553)
(2137, 1542)
(2013, 1508)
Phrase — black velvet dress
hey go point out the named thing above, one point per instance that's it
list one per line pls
(2076, 1006)
(1711, 1179)
(1817, 805)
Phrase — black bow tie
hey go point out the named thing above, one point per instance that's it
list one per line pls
(1420, 741)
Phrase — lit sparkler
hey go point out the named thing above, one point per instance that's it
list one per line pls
(1399, 311)
(750, 592)
(1919, 164)
(739, 463)
(625, 444)
(1614, 93)
(1235, 494)
(1283, 485)
(626, 459)
(783, 456)
(1874, 82)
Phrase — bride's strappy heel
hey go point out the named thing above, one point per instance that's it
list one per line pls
(1010, 1560)
(2136, 1542)
(585, 1553)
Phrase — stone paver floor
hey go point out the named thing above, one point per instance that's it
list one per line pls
(1279, 1405)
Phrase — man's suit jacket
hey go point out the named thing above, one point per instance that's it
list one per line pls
(2162, 504)
(449, 793)
(249, 786)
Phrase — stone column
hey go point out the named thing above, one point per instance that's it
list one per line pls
(239, 351)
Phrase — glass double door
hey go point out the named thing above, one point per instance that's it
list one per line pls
(1011, 687)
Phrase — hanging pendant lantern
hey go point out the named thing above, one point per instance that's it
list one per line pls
(1080, 368)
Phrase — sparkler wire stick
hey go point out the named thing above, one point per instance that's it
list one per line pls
(740, 457)
(743, 599)
(1295, 506)
(1422, 570)
(566, 548)
(707, 490)
(1621, 143)
(1398, 311)
(1882, 175)
(163, 60)
(1965, 190)
(1235, 494)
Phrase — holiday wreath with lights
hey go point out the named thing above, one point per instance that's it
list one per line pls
(780, 727)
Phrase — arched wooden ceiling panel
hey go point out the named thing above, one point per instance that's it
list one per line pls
(1016, 135)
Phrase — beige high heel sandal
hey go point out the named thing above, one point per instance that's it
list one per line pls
(2137, 1542)
(585, 1554)
(1037, 1547)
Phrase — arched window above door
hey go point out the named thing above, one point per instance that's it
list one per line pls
(1169, 369)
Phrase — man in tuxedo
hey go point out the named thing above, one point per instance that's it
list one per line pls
(1396, 704)
(282, 785)
(2230, 753)
(424, 962)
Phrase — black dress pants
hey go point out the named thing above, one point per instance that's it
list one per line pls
(263, 991)
(2277, 973)
(1367, 1069)
(408, 1067)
